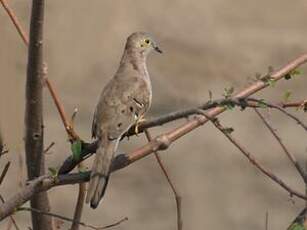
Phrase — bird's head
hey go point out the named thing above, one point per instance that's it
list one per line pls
(142, 42)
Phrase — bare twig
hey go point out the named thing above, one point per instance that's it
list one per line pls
(286, 151)
(266, 220)
(275, 106)
(46, 150)
(79, 206)
(71, 133)
(177, 196)
(71, 220)
(3, 174)
(15, 21)
(254, 161)
(295, 104)
(82, 187)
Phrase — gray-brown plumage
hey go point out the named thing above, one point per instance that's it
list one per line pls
(123, 101)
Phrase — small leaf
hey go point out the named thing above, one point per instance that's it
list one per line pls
(261, 103)
(228, 92)
(296, 226)
(76, 148)
(228, 130)
(287, 95)
(53, 171)
(229, 107)
(272, 82)
(296, 72)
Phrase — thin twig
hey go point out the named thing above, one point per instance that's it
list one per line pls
(15, 21)
(46, 150)
(70, 132)
(254, 161)
(266, 220)
(3, 174)
(176, 195)
(71, 220)
(79, 207)
(282, 145)
(270, 105)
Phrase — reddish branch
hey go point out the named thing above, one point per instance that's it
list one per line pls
(71, 133)
(15, 21)
(160, 142)
(174, 190)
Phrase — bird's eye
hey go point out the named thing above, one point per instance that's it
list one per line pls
(147, 41)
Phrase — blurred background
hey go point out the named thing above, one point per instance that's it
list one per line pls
(208, 45)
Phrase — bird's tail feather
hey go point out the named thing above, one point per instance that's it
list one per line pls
(100, 172)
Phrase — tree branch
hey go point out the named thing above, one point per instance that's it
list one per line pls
(291, 157)
(70, 131)
(72, 220)
(89, 148)
(254, 161)
(34, 139)
(176, 195)
(4, 171)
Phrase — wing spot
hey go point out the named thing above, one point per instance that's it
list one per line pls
(119, 125)
(131, 109)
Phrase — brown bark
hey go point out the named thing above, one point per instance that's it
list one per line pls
(34, 139)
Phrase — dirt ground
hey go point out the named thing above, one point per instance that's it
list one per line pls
(208, 45)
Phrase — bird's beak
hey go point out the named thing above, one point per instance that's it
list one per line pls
(158, 49)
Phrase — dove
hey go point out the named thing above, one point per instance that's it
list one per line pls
(123, 103)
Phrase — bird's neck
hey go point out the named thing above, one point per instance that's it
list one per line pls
(135, 58)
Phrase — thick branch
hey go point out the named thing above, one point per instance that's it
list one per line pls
(34, 139)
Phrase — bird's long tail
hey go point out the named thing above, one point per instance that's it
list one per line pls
(100, 171)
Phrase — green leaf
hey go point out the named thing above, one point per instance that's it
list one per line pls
(228, 92)
(296, 72)
(296, 226)
(261, 103)
(53, 171)
(287, 95)
(272, 82)
(76, 148)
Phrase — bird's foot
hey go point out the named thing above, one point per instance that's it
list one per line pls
(137, 124)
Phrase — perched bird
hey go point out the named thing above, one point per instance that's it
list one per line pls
(122, 103)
